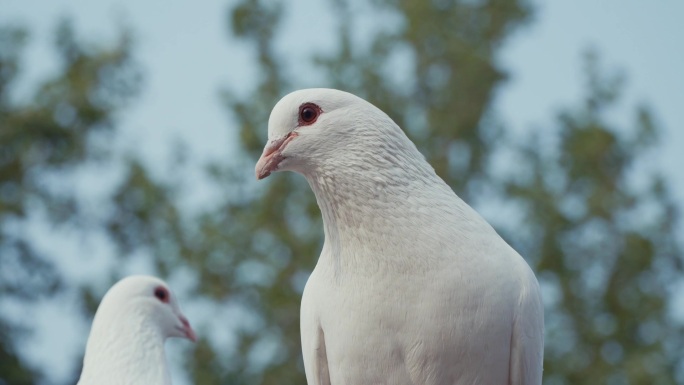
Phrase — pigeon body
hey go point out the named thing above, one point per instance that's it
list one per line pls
(126, 342)
(412, 285)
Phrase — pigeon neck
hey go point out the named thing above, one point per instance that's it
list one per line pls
(369, 204)
(125, 350)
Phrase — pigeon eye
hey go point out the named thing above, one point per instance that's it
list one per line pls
(308, 113)
(162, 294)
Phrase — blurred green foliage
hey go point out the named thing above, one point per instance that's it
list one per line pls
(595, 223)
(601, 233)
(51, 134)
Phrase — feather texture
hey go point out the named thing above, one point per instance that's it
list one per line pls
(412, 285)
(126, 342)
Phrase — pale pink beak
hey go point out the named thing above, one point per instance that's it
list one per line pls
(187, 329)
(272, 156)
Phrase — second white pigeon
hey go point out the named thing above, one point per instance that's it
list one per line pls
(126, 342)
(412, 285)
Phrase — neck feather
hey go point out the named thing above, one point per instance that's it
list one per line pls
(379, 204)
(125, 350)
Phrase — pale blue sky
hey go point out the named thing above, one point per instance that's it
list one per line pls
(188, 57)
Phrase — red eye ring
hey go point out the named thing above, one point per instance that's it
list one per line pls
(162, 294)
(308, 114)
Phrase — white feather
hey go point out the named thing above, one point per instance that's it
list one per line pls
(412, 285)
(126, 342)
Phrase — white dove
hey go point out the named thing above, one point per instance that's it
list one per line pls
(126, 342)
(412, 285)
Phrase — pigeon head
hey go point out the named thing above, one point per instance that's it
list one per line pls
(311, 128)
(151, 302)
(126, 342)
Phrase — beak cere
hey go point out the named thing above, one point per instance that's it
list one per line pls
(187, 329)
(272, 156)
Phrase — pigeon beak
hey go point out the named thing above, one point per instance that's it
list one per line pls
(187, 329)
(272, 155)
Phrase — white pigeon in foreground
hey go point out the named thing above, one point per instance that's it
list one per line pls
(412, 285)
(126, 342)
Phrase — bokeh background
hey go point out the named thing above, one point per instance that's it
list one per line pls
(129, 132)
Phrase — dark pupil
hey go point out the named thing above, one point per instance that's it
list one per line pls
(160, 293)
(308, 114)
